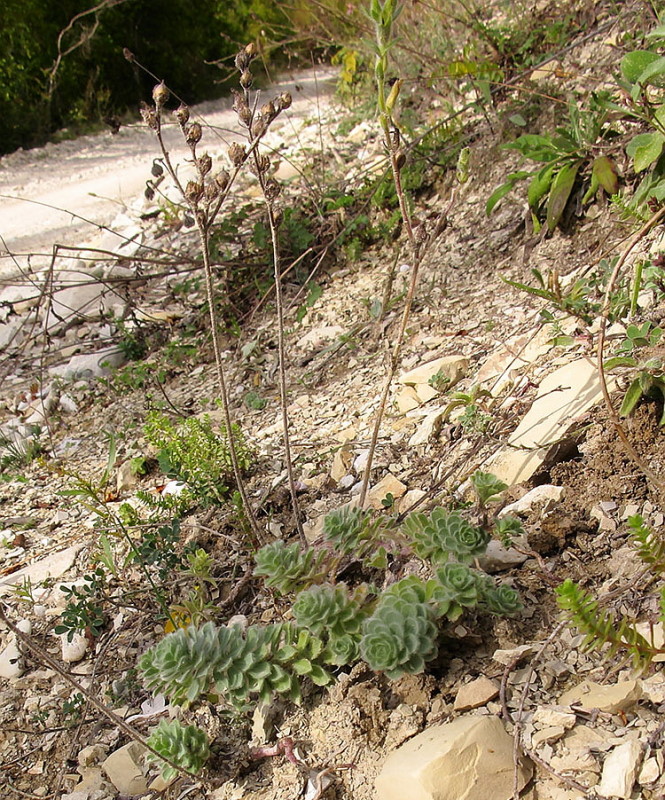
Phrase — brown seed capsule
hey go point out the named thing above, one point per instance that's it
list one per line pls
(263, 163)
(193, 133)
(400, 159)
(272, 190)
(149, 116)
(127, 53)
(252, 50)
(237, 154)
(268, 111)
(193, 191)
(222, 179)
(157, 170)
(278, 216)
(204, 164)
(149, 191)
(211, 192)
(241, 61)
(182, 114)
(285, 100)
(160, 94)
(246, 79)
(259, 127)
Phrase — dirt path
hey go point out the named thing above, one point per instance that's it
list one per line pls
(97, 176)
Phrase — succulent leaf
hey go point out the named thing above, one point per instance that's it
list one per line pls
(187, 746)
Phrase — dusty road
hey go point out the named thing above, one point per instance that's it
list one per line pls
(97, 176)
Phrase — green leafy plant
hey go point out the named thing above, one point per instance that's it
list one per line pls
(445, 534)
(648, 372)
(608, 630)
(193, 452)
(348, 527)
(287, 568)
(84, 611)
(487, 486)
(185, 745)
(565, 155)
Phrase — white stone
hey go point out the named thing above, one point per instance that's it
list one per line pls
(649, 773)
(653, 688)
(453, 367)
(406, 399)
(549, 716)
(124, 769)
(389, 484)
(90, 365)
(512, 655)
(476, 693)
(52, 566)
(611, 697)
(11, 657)
(563, 398)
(619, 771)
(74, 650)
(550, 734)
(544, 496)
(470, 758)
(497, 557)
(427, 428)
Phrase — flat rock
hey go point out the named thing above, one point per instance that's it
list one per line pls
(11, 657)
(620, 770)
(53, 566)
(611, 698)
(498, 558)
(78, 295)
(90, 365)
(428, 427)
(470, 758)
(124, 770)
(514, 654)
(563, 398)
(73, 650)
(549, 716)
(544, 496)
(452, 367)
(389, 484)
(476, 694)
(406, 399)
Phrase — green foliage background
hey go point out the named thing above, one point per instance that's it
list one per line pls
(172, 38)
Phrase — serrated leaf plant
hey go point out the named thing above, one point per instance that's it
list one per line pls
(185, 745)
(445, 535)
(287, 568)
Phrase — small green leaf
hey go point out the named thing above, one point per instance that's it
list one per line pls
(619, 361)
(534, 146)
(644, 149)
(631, 398)
(559, 194)
(633, 64)
(500, 192)
(302, 667)
(540, 185)
(657, 33)
(653, 71)
(605, 172)
(517, 119)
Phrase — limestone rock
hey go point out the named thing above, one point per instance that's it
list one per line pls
(124, 770)
(649, 773)
(548, 716)
(611, 698)
(11, 657)
(470, 758)
(550, 734)
(387, 485)
(73, 650)
(428, 427)
(545, 496)
(619, 770)
(90, 365)
(475, 694)
(563, 398)
(498, 558)
(452, 367)
(513, 655)
(126, 477)
(406, 399)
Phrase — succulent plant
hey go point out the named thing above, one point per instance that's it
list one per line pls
(487, 486)
(346, 527)
(187, 746)
(237, 665)
(327, 610)
(445, 534)
(285, 567)
(454, 589)
(507, 527)
(501, 600)
(400, 636)
(343, 650)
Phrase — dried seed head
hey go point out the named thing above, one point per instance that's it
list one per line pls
(149, 190)
(269, 111)
(160, 94)
(237, 154)
(222, 179)
(263, 163)
(259, 127)
(204, 164)
(182, 114)
(278, 216)
(246, 79)
(400, 159)
(241, 61)
(193, 191)
(241, 108)
(188, 220)
(272, 190)
(284, 100)
(193, 133)
(157, 170)
(149, 116)
(395, 138)
(211, 192)
(251, 50)
(127, 53)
